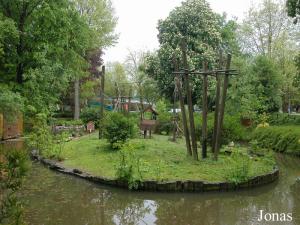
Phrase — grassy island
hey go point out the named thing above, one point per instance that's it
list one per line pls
(160, 159)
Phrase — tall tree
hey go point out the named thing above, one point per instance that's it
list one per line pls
(134, 65)
(293, 9)
(99, 16)
(263, 27)
(45, 50)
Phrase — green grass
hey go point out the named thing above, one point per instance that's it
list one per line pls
(159, 156)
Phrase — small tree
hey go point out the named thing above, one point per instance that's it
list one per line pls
(118, 130)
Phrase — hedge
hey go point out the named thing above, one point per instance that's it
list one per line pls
(284, 139)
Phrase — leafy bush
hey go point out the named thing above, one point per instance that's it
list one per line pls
(165, 125)
(240, 168)
(279, 138)
(128, 169)
(10, 103)
(118, 129)
(284, 119)
(13, 167)
(90, 114)
(41, 139)
(232, 129)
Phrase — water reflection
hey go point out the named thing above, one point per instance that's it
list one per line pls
(53, 198)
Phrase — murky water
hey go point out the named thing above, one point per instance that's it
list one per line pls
(52, 198)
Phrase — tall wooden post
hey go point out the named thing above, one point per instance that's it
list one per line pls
(183, 113)
(129, 99)
(218, 80)
(174, 113)
(204, 112)
(102, 103)
(222, 108)
(189, 100)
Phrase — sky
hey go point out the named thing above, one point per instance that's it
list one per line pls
(137, 22)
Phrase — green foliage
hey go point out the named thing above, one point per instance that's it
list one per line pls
(285, 139)
(118, 129)
(129, 167)
(267, 83)
(232, 129)
(44, 46)
(165, 124)
(195, 22)
(13, 167)
(284, 119)
(10, 103)
(293, 9)
(239, 172)
(90, 114)
(42, 140)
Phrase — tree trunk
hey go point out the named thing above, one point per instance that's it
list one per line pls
(204, 113)
(222, 109)
(189, 100)
(101, 128)
(76, 100)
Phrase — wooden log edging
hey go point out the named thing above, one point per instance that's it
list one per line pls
(168, 186)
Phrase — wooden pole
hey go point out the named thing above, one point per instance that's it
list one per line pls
(222, 109)
(174, 113)
(204, 112)
(189, 100)
(102, 103)
(183, 113)
(129, 99)
(217, 103)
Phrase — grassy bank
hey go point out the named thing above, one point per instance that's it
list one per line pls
(285, 139)
(160, 159)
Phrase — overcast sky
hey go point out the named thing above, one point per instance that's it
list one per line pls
(137, 22)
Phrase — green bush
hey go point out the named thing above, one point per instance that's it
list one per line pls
(165, 125)
(240, 168)
(90, 114)
(14, 164)
(232, 129)
(118, 129)
(284, 119)
(128, 169)
(42, 140)
(285, 139)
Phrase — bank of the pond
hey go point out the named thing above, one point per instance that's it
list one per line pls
(164, 166)
(283, 139)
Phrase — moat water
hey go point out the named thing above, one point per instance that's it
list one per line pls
(52, 198)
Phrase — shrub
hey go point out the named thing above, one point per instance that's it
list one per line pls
(128, 169)
(284, 139)
(165, 125)
(240, 168)
(41, 139)
(13, 168)
(118, 129)
(90, 114)
(232, 129)
(284, 119)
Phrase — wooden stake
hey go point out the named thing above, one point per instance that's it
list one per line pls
(204, 112)
(217, 104)
(183, 113)
(189, 100)
(174, 114)
(102, 102)
(222, 109)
